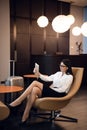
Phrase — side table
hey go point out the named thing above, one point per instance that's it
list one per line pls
(10, 89)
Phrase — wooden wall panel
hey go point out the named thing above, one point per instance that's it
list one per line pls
(51, 45)
(22, 8)
(29, 38)
(37, 44)
(63, 45)
(22, 46)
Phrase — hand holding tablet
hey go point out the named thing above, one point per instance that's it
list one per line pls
(36, 67)
(36, 70)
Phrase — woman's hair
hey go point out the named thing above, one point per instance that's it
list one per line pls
(67, 62)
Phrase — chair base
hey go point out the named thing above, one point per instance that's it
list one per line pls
(55, 116)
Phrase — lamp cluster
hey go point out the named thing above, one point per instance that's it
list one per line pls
(76, 31)
(60, 23)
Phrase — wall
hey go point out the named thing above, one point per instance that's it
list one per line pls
(77, 12)
(4, 39)
(85, 38)
(5, 36)
(28, 38)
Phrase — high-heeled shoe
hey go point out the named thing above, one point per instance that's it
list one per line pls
(24, 123)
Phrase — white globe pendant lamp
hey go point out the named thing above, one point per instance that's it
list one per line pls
(42, 21)
(71, 19)
(76, 31)
(84, 29)
(60, 24)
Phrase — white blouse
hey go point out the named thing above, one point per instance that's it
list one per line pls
(61, 83)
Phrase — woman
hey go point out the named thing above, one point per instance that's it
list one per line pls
(61, 82)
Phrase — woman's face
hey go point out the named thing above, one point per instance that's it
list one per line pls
(63, 67)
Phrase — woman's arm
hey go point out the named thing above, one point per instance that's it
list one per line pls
(41, 76)
(44, 77)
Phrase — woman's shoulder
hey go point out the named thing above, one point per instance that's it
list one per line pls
(58, 73)
(69, 75)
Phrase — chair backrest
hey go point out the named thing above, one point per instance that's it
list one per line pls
(78, 75)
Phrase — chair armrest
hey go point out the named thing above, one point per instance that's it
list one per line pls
(4, 111)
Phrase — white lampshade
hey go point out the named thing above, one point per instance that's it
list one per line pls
(76, 31)
(42, 21)
(84, 29)
(60, 24)
(71, 19)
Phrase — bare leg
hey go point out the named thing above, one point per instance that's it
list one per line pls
(27, 92)
(34, 94)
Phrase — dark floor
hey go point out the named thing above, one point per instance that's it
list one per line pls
(77, 108)
(13, 123)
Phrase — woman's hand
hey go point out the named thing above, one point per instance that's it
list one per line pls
(36, 72)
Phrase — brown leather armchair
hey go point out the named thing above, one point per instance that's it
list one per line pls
(52, 106)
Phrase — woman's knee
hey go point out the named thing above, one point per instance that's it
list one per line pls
(35, 82)
(36, 91)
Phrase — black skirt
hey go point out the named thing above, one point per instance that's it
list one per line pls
(48, 92)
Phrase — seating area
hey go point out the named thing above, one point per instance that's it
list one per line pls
(33, 47)
(54, 105)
